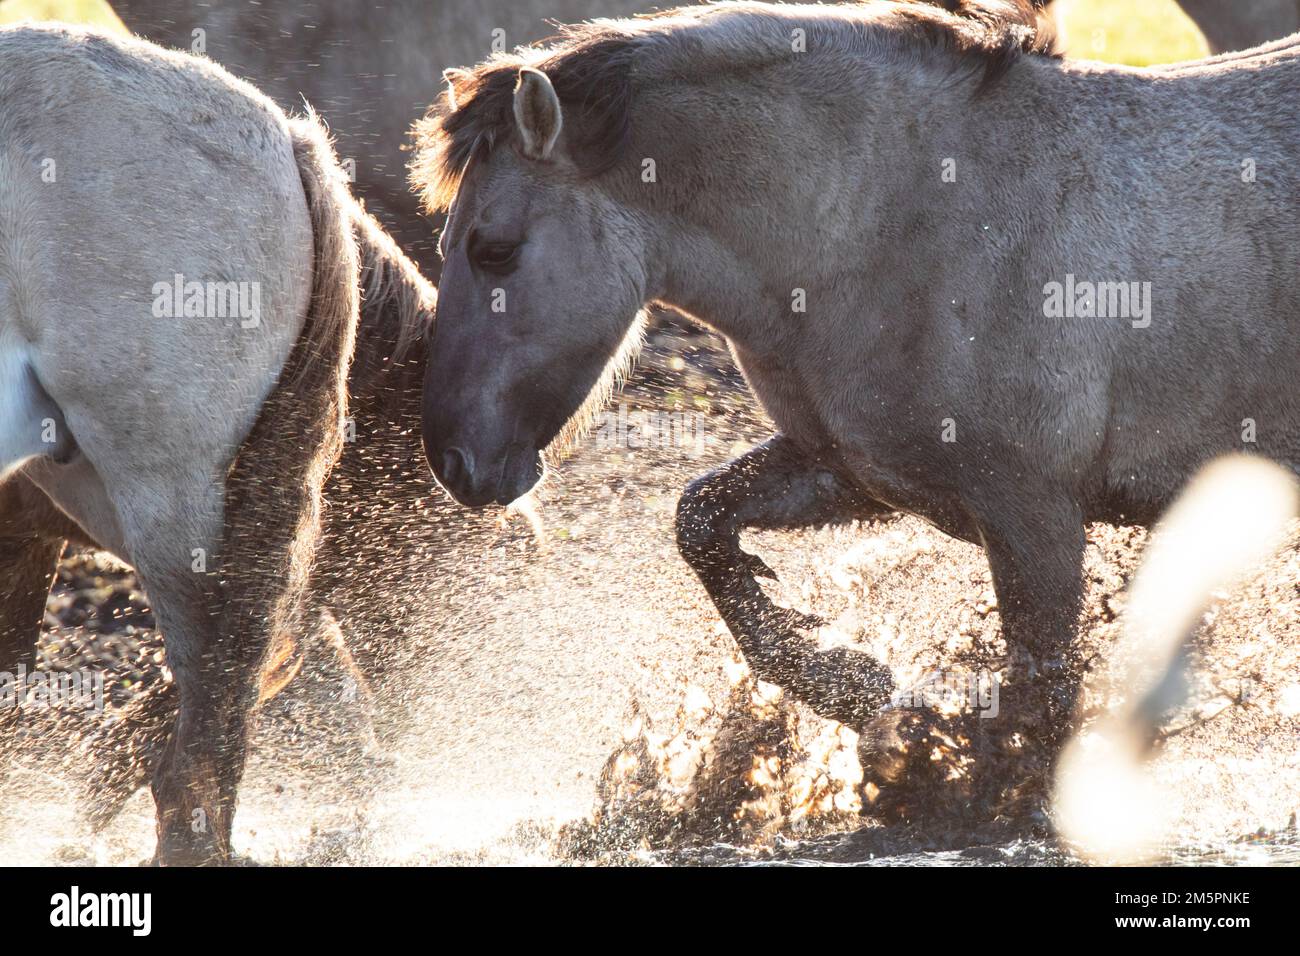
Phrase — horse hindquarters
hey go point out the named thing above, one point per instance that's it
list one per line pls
(163, 378)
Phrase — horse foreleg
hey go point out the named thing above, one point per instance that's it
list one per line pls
(776, 486)
(1035, 544)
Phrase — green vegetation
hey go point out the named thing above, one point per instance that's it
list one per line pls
(94, 12)
(1136, 32)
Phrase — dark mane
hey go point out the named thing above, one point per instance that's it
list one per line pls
(593, 66)
(988, 36)
(590, 67)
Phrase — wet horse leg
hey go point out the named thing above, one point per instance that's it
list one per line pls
(776, 486)
(1033, 538)
(1035, 542)
(266, 552)
(193, 824)
(30, 545)
(217, 633)
(271, 527)
(32, 536)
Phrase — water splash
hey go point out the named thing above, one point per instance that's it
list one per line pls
(501, 674)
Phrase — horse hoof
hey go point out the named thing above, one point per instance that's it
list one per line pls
(846, 685)
(916, 767)
(894, 739)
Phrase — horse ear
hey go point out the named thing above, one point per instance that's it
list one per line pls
(456, 80)
(537, 113)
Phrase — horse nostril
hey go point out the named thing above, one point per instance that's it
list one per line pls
(455, 467)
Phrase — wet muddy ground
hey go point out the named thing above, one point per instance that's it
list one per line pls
(572, 697)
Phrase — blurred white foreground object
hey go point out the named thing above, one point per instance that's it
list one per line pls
(1231, 519)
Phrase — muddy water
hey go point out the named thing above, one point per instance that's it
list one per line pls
(577, 700)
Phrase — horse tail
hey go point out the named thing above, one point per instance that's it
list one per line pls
(274, 487)
(273, 499)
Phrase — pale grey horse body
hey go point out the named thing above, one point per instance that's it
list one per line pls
(881, 225)
(369, 69)
(189, 438)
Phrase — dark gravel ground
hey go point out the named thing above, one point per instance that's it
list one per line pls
(98, 617)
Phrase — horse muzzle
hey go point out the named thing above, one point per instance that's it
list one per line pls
(475, 482)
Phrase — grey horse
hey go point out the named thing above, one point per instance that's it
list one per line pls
(967, 280)
(181, 268)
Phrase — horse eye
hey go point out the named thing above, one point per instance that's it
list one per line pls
(496, 256)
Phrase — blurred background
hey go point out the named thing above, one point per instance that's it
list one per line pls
(1136, 32)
